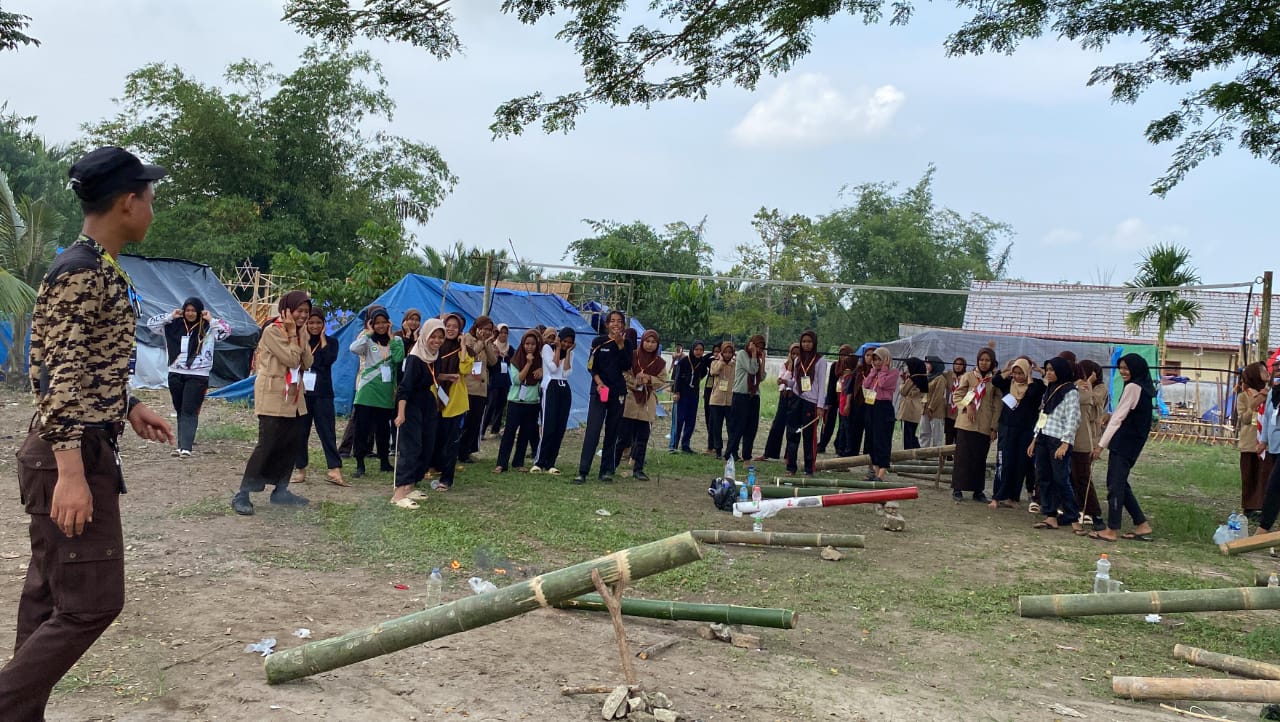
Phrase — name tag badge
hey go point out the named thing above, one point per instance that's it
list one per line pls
(504, 367)
(184, 344)
(442, 395)
(1040, 422)
(309, 380)
(805, 384)
(968, 398)
(869, 396)
(477, 368)
(1010, 401)
(724, 386)
(386, 374)
(840, 386)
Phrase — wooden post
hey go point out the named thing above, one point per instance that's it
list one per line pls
(1264, 323)
(478, 610)
(614, 605)
(779, 539)
(1178, 600)
(689, 611)
(1251, 543)
(1206, 690)
(488, 276)
(1226, 663)
(845, 462)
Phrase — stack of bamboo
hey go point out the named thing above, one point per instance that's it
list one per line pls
(1263, 685)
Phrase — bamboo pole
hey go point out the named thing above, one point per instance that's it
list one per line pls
(476, 611)
(1226, 663)
(690, 611)
(815, 482)
(766, 508)
(1251, 543)
(1178, 600)
(787, 492)
(846, 462)
(1205, 690)
(1260, 579)
(778, 539)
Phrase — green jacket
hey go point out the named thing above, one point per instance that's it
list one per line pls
(373, 388)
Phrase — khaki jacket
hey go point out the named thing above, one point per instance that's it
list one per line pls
(988, 413)
(911, 404)
(721, 380)
(649, 411)
(1247, 412)
(935, 404)
(487, 354)
(1092, 404)
(273, 395)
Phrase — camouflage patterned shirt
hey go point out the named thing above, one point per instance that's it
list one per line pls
(82, 335)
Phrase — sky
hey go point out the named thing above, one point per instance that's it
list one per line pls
(1020, 139)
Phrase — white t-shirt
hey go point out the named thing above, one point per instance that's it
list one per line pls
(550, 370)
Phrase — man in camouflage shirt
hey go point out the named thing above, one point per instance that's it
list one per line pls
(82, 337)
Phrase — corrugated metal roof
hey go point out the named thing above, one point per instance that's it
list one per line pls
(1100, 317)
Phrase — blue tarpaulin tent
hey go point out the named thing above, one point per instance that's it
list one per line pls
(520, 310)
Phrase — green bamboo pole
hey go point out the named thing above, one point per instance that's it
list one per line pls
(690, 611)
(476, 611)
(778, 539)
(1260, 579)
(1241, 666)
(846, 462)
(1251, 543)
(1199, 689)
(816, 482)
(1180, 600)
(785, 492)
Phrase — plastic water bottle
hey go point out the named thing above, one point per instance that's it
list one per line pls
(757, 523)
(435, 588)
(1273, 580)
(481, 586)
(742, 492)
(751, 476)
(729, 470)
(1102, 577)
(756, 495)
(1235, 526)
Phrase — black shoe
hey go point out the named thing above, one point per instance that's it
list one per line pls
(607, 478)
(686, 450)
(980, 497)
(957, 495)
(285, 497)
(639, 476)
(386, 467)
(241, 504)
(822, 449)
(579, 479)
(468, 459)
(359, 472)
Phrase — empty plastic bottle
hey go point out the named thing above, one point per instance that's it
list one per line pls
(751, 475)
(435, 588)
(1102, 576)
(729, 469)
(481, 586)
(1236, 525)
(1273, 580)
(757, 523)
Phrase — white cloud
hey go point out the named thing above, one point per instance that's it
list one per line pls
(1061, 237)
(807, 111)
(1135, 233)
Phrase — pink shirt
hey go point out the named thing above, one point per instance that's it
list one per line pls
(884, 381)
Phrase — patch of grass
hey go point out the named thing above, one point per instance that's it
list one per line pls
(225, 431)
(210, 506)
(309, 557)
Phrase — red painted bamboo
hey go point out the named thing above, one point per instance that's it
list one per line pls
(769, 507)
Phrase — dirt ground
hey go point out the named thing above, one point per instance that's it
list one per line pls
(198, 593)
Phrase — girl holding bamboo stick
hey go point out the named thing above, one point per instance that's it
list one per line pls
(1126, 435)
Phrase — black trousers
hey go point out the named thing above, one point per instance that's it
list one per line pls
(716, 416)
(187, 393)
(880, 418)
(495, 409)
(1120, 496)
(744, 422)
(854, 429)
(606, 416)
(323, 419)
(373, 426)
(778, 427)
(1054, 479)
(470, 441)
(706, 410)
(909, 438)
(74, 587)
(634, 436)
(800, 426)
(448, 440)
(969, 470)
(830, 430)
(417, 440)
(557, 400)
(280, 440)
(521, 432)
(686, 418)
(949, 430)
(1015, 470)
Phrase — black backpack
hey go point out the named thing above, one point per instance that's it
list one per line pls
(724, 493)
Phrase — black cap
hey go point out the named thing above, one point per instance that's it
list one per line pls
(105, 171)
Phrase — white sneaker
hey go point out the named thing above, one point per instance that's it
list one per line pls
(184, 453)
(175, 452)
(535, 469)
(553, 470)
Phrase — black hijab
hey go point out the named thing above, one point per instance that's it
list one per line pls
(1060, 388)
(1139, 372)
(382, 339)
(919, 374)
(936, 366)
(174, 332)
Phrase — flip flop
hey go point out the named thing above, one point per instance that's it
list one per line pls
(405, 503)
(1098, 537)
(1082, 532)
(1132, 536)
(1043, 525)
(418, 495)
(339, 481)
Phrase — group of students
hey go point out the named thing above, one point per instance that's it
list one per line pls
(1258, 440)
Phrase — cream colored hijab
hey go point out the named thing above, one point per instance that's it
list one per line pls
(420, 348)
(1018, 390)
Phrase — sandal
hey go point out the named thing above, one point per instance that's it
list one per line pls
(1098, 537)
(1044, 525)
(1134, 536)
(336, 479)
(419, 495)
(405, 503)
(1078, 530)
(1006, 504)
(1033, 508)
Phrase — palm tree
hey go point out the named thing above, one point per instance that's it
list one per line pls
(26, 232)
(1163, 266)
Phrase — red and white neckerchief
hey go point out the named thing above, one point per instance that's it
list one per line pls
(955, 385)
(291, 375)
(979, 391)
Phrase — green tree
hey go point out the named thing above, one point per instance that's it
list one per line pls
(691, 46)
(1163, 266)
(901, 239)
(13, 31)
(38, 171)
(24, 226)
(279, 161)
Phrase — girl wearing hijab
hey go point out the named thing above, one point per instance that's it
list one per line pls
(712, 355)
(1255, 469)
(417, 415)
(859, 411)
(720, 381)
(648, 372)
(1093, 402)
(786, 400)
(958, 369)
(1019, 397)
(525, 403)
(279, 403)
(452, 360)
(479, 345)
(189, 337)
(500, 381)
(844, 373)
(317, 383)
(557, 362)
(380, 355)
(808, 383)
(1055, 429)
(410, 323)
(1125, 437)
(744, 412)
(977, 415)
(912, 389)
(877, 393)
(833, 423)
(1269, 442)
(934, 419)
(686, 386)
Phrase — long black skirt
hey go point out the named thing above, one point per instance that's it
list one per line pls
(969, 471)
